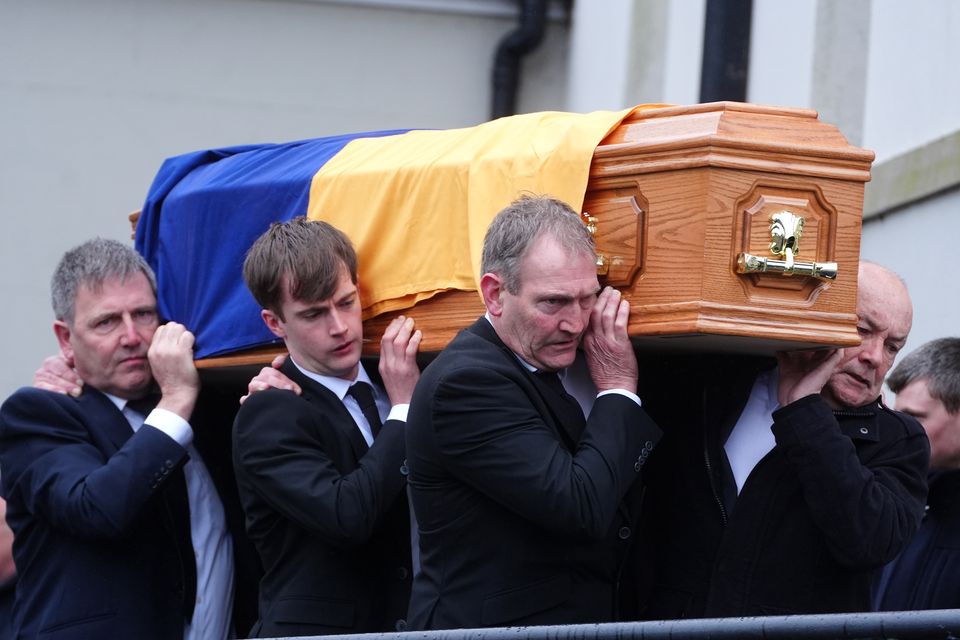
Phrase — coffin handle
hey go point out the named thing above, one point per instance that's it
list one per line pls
(786, 228)
(603, 263)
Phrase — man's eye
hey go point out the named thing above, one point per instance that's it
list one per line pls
(145, 316)
(105, 325)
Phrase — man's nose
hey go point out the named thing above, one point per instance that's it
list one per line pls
(338, 323)
(574, 319)
(130, 336)
(871, 351)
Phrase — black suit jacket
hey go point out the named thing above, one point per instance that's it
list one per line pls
(99, 515)
(838, 496)
(521, 519)
(328, 515)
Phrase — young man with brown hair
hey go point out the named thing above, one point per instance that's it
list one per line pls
(319, 475)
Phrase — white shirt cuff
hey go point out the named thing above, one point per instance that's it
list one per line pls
(399, 412)
(623, 392)
(171, 424)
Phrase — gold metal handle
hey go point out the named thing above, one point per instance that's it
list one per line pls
(749, 263)
(603, 264)
(785, 231)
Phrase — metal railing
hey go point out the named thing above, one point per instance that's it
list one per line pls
(900, 625)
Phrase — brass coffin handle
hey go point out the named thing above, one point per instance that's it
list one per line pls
(603, 264)
(785, 231)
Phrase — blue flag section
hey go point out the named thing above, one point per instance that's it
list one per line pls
(203, 212)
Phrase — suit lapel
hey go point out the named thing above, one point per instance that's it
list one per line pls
(321, 397)
(109, 420)
(113, 425)
(548, 404)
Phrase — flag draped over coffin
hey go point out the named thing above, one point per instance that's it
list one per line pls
(415, 204)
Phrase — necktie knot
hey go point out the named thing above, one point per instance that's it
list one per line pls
(144, 405)
(363, 394)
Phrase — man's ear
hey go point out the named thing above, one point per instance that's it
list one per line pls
(62, 330)
(273, 323)
(491, 286)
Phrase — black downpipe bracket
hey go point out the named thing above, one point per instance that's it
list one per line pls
(516, 44)
(726, 50)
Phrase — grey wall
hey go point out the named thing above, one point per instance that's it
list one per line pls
(95, 94)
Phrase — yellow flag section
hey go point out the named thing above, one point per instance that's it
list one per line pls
(417, 205)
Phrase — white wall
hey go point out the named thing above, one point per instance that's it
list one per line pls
(913, 85)
(95, 94)
(916, 243)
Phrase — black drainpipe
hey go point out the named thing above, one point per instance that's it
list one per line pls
(516, 44)
(726, 50)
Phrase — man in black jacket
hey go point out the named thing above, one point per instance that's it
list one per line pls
(924, 575)
(519, 500)
(782, 490)
(319, 473)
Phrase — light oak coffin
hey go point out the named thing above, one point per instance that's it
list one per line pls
(677, 195)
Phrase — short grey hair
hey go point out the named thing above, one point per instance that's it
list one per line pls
(938, 363)
(522, 222)
(91, 264)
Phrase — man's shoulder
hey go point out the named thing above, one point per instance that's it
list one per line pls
(30, 402)
(271, 402)
(903, 422)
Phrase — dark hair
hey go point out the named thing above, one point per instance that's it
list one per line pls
(522, 222)
(304, 255)
(938, 363)
(90, 265)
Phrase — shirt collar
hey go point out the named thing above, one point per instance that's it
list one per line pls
(117, 400)
(337, 386)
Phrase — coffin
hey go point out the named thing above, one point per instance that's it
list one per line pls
(728, 226)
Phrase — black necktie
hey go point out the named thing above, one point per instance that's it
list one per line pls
(363, 394)
(144, 405)
(572, 417)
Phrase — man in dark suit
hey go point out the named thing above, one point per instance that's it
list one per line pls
(517, 497)
(320, 473)
(781, 487)
(924, 575)
(100, 487)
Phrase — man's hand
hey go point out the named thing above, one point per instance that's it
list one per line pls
(271, 377)
(398, 359)
(610, 357)
(171, 361)
(803, 373)
(56, 374)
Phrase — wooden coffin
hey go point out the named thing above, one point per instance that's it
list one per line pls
(686, 203)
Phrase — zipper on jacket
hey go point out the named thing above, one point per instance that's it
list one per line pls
(706, 459)
(713, 486)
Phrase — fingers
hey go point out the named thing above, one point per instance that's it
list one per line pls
(400, 340)
(610, 313)
(413, 346)
(278, 361)
(55, 374)
(398, 359)
(610, 356)
(270, 377)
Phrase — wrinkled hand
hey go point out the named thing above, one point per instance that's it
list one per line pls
(271, 377)
(398, 359)
(171, 361)
(610, 356)
(56, 374)
(803, 373)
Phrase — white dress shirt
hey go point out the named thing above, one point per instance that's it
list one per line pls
(212, 545)
(752, 436)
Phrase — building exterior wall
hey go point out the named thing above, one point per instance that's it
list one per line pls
(94, 95)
